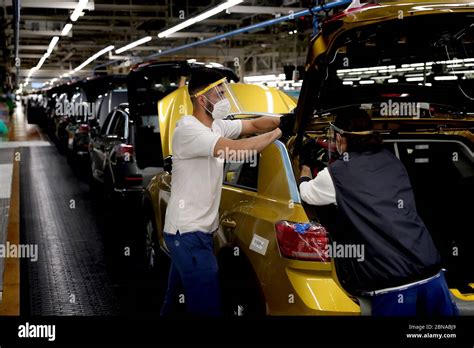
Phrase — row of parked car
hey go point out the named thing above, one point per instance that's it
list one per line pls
(107, 126)
(367, 59)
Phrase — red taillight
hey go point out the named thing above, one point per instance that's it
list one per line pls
(84, 128)
(302, 241)
(125, 152)
(134, 178)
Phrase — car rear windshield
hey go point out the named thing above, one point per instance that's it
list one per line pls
(419, 66)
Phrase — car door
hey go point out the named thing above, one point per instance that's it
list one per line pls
(116, 137)
(239, 185)
(98, 148)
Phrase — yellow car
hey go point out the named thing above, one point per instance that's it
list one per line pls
(410, 65)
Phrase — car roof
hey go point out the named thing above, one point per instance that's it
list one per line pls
(187, 67)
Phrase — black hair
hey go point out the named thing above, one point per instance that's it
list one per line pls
(357, 120)
(202, 78)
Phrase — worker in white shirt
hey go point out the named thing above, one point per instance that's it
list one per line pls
(200, 143)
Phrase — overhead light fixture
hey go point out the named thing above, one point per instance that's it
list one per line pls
(78, 10)
(222, 7)
(66, 29)
(446, 78)
(40, 63)
(414, 79)
(463, 72)
(261, 78)
(367, 82)
(94, 57)
(133, 44)
(53, 43)
(392, 80)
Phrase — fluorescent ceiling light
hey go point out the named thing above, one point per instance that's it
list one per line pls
(464, 72)
(222, 7)
(66, 29)
(53, 43)
(40, 63)
(263, 78)
(381, 77)
(413, 79)
(133, 44)
(78, 10)
(445, 78)
(350, 83)
(94, 57)
(367, 82)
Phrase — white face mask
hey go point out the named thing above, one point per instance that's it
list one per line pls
(221, 109)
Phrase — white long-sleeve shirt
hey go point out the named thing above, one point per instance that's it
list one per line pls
(320, 190)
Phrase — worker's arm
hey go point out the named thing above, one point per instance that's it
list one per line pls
(317, 191)
(256, 143)
(260, 125)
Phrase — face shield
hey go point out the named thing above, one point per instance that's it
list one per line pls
(334, 149)
(219, 98)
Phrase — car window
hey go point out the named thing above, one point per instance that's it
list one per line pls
(117, 98)
(242, 174)
(119, 128)
(104, 109)
(113, 124)
(106, 124)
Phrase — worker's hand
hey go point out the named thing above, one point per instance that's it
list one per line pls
(287, 122)
(277, 133)
(305, 171)
(310, 153)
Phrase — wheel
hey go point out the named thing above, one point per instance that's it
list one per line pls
(240, 290)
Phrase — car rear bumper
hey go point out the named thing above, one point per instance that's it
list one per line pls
(310, 293)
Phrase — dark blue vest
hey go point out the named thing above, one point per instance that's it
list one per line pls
(376, 208)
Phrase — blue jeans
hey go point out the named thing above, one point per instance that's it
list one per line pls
(194, 267)
(430, 299)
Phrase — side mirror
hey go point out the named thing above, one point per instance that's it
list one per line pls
(168, 164)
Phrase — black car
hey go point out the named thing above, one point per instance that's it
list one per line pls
(99, 98)
(112, 155)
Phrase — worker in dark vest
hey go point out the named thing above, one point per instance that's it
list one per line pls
(400, 272)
